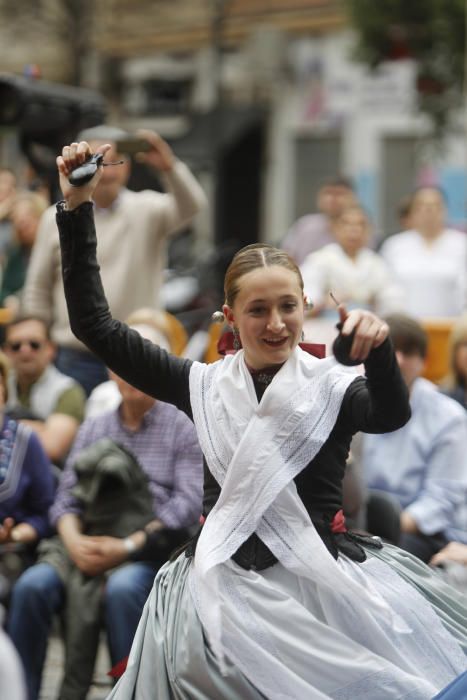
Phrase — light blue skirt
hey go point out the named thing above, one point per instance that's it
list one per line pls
(171, 659)
(449, 604)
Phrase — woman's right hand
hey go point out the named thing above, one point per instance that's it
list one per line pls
(72, 157)
(368, 331)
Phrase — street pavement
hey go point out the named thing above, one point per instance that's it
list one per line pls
(54, 668)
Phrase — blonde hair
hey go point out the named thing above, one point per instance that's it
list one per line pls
(457, 337)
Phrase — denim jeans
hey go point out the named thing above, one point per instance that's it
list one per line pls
(39, 594)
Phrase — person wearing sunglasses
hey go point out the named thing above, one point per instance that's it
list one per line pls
(51, 403)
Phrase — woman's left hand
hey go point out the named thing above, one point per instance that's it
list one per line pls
(370, 331)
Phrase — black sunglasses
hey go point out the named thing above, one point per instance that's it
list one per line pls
(33, 344)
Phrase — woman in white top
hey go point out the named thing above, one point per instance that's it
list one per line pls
(429, 260)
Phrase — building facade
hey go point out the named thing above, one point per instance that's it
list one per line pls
(263, 100)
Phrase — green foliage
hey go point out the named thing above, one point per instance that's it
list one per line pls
(430, 31)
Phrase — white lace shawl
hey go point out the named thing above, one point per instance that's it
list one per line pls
(254, 451)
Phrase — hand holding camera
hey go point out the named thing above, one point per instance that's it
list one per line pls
(149, 148)
(156, 153)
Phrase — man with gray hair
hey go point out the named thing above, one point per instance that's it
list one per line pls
(133, 229)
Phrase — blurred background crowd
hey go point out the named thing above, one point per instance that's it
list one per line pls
(324, 127)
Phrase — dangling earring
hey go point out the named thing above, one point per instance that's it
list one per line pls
(302, 337)
(236, 339)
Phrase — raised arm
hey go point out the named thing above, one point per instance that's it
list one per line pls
(378, 402)
(37, 296)
(183, 197)
(133, 358)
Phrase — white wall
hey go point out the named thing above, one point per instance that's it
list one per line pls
(325, 91)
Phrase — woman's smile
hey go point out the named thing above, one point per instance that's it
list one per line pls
(268, 313)
(276, 342)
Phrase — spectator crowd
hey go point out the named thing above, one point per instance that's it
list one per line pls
(412, 483)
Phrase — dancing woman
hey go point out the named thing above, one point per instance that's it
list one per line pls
(275, 599)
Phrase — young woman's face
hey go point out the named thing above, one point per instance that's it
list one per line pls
(268, 313)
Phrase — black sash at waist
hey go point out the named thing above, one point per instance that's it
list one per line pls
(254, 554)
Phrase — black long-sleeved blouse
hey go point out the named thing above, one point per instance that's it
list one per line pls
(376, 403)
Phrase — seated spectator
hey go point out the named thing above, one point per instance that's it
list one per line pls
(162, 440)
(423, 464)
(429, 260)
(455, 384)
(312, 231)
(43, 398)
(150, 323)
(26, 491)
(26, 212)
(355, 274)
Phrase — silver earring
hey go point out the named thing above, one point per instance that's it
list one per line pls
(302, 337)
(218, 317)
